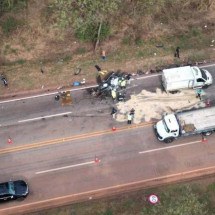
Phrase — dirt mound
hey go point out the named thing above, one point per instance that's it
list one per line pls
(150, 105)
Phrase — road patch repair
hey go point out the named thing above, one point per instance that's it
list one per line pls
(152, 105)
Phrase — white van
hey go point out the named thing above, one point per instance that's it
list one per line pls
(185, 77)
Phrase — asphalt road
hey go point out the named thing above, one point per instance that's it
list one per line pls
(56, 155)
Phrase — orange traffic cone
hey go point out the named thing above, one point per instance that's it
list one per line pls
(113, 128)
(97, 160)
(208, 103)
(9, 141)
(204, 140)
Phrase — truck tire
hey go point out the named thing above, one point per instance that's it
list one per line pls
(169, 140)
(208, 133)
(174, 91)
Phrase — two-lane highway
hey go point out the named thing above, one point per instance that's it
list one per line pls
(77, 155)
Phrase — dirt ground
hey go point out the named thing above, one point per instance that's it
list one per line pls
(38, 45)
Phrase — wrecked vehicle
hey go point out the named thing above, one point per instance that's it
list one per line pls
(111, 84)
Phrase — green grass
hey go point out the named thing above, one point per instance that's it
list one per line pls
(211, 188)
(10, 24)
(193, 197)
(80, 50)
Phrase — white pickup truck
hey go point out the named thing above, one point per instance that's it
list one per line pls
(172, 126)
(185, 77)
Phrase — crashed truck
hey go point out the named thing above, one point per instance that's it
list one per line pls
(186, 123)
(111, 84)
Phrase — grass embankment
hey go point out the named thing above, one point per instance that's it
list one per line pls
(26, 75)
(191, 198)
(142, 37)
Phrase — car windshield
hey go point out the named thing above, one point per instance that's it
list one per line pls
(11, 187)
(203, 74)
(165, 126)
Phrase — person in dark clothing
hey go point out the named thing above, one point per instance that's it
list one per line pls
(120, 97)
(132, 112)
(4, 80)
(177, 52)
(113, 112)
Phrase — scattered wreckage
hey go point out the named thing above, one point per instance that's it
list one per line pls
(110, 84)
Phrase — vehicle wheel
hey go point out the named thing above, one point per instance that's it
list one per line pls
(208, 133)
(174, 92)
(57, 98)
(205, 87)
(168, 140)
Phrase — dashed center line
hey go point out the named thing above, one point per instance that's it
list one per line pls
(65, 167)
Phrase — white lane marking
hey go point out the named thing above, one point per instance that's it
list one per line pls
(204, 66)
(83, 88)
(46, 94)
(145, 77)
(169, 147)
(43, 117)
(65, 167)
(105, 189)
(56, 92)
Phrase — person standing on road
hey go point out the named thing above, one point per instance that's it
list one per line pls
(129, 118)
(113, 112)
(113, 94)
(128, 78)
(199, 93)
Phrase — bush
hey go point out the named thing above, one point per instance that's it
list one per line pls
(9, 25)
(8, 5)
(90, 32)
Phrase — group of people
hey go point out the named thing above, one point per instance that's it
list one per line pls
(130, 115)
(121, 84)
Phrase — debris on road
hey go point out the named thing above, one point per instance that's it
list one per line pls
(152, 105)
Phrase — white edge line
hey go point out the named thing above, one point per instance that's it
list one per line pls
(169, 147)
(206, 66)
(65, 167)
(46, 94)
(82, 88)
(53, 93)
(43, 117)
(104, 189)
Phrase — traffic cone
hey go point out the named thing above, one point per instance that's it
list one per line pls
(208, 103)
(204, 140)
(97, 160)
(113, 128)
(9, 141)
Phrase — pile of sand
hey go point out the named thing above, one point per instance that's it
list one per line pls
(150, 105)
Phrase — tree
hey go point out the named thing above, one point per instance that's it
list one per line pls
(7, 5)
(89, 18)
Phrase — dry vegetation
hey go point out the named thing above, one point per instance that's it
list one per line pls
(137, 28)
